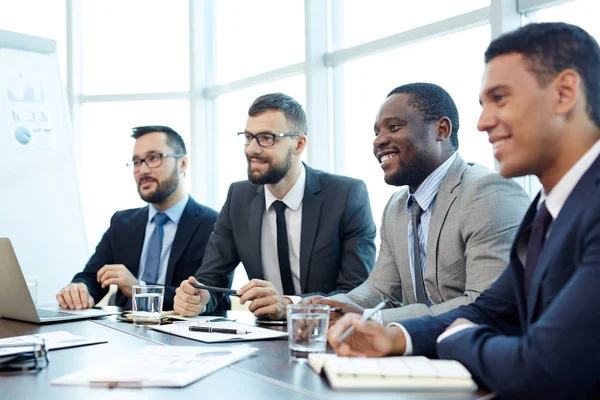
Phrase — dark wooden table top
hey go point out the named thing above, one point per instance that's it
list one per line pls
(269, 374)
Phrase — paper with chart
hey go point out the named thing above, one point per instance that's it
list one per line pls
(255, 332)
(52, 341)
(163, 366)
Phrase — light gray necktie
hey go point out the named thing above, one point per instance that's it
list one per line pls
(415, 212)
(154, 249)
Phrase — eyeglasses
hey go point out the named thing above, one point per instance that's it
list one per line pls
(263, 139)
(28, 360)
(152, 161)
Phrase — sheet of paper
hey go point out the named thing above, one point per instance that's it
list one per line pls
(158, 366)
(53, 341)
(255, 332)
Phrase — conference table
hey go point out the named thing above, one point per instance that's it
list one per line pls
(267, 375)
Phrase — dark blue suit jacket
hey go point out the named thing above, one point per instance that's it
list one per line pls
(544, 346)
(123, 241)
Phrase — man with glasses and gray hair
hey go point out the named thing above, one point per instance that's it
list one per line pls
(161, 243)
(297, 230)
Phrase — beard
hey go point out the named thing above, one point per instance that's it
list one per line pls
(411, 173)
(275, 172)
(163, 190)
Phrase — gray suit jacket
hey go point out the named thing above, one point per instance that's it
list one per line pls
(337, 249)
(474, 220)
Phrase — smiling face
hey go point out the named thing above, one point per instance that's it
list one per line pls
(269, 165)
(519, 117)
(157, 185)
(406, 146)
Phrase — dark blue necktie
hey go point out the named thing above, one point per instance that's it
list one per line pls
(154, 249)
(283, 251)
(539, 227)
(415, 212)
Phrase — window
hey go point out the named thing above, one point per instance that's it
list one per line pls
(581, 12)
(367, 81)
(135, 46)
(43, 18)
(107, 185)
(364, 21)
(257, 36)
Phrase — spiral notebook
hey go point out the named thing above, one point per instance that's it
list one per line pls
(405, 373)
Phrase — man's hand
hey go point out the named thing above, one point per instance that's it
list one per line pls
(190, 301)
(459, 322)
(347, 308)
(117, 274)
(369, 338)
(265, 299)
(75, 296)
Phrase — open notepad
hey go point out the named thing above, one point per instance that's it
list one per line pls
(255, 332)
(407, 373)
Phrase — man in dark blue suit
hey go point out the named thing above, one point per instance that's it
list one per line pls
(162, 243)
(533, 333)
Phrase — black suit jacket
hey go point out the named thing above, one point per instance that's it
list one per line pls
(123, 241)
(337, 249)
(544, 345)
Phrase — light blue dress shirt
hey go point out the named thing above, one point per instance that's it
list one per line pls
(170, 229)
(425, 196)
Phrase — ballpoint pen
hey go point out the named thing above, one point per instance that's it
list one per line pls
(215, 289)
(210, 329)
(365, 317)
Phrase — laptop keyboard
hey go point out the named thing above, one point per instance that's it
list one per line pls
(51, 314)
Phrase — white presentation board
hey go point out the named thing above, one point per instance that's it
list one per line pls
(40, 207)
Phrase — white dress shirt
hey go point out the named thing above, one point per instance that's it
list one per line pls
(169, 230)
(293, 219)
(555, 200)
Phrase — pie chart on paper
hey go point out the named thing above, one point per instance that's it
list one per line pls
(22, 135)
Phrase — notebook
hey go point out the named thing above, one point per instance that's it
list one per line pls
(16, 302)
(406, 373)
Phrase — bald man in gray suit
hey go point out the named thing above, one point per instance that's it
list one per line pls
(466, 215)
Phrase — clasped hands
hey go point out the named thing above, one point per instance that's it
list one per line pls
(77, 296)
(262, 295)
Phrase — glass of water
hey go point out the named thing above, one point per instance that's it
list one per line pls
(147, 304)
(31, 282)
(307, 329)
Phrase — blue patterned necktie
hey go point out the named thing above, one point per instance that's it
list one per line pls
(154, 249)
(415, 213)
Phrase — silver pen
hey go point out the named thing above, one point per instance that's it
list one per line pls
(365, 317)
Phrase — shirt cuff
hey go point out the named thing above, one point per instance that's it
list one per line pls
(377, 317)
(141, 282)
(454, 330)
(409, 347)
(294, 299)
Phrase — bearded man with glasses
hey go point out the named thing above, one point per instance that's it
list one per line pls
(161, 243)
(296, 230)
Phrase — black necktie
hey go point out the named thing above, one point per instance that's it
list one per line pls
(283, 251)
(539, 227)
(419, 284)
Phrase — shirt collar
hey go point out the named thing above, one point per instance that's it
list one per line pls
(559, 194)
(427, 190)
(174, 212)
(293, 199)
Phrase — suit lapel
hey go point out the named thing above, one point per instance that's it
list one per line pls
(443, 201)
(561, 228)
(311, 214)
(137, 236)
(255, 220)
(190, 219)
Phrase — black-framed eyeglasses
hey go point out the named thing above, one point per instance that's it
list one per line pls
(33, 358)
(264, 139)
(152, 161)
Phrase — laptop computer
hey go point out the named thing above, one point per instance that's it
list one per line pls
(16, 302)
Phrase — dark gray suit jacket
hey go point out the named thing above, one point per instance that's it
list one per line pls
(337, 249)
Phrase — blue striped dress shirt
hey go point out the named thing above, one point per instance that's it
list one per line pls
(425, 196)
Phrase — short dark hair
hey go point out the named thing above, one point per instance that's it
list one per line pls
(434, 102)
(174, 139)
(552, 47)
(292, 110)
